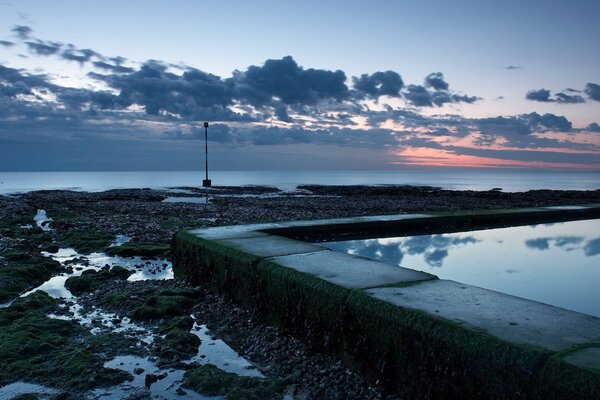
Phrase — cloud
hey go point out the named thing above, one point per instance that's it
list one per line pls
(79, 55)
(545, 96)
(502, 126)
(289, 83)
(388, 83)
(420, 96)
(593, 91)
(592, 248)
(114, 68)
(569, 99)
(512, 67)
(538, 244)
(6, 43)
(548, 121)
(542, 95)
(417, 95)
(44, 48)
(594, 127)
(22, 31)
(163, 101)
(436, 81)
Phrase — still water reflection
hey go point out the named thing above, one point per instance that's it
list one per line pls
(558, 264)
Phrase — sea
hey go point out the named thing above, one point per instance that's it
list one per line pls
(507, 180)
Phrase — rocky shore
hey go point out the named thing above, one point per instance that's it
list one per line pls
(91, 222)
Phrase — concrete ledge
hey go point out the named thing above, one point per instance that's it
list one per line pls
(350, 271)
(418, 336)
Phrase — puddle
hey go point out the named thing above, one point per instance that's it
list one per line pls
(195, 200)
(120, 239)
(217, 352)
(211, 350)
(42, 220)
(20, 388)
(166, 388)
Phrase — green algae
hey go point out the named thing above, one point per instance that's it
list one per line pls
(21, 264)
(176, 342)
(24, 271)
(146, 250)
(86, 241)
(407, 351)
(91, 280)
(153, 304)
(48, 351)
(166, 304)
(212, 381)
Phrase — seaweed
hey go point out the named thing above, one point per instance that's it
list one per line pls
(48, 351)
(212, 381)
(147, 250)
(91, 280)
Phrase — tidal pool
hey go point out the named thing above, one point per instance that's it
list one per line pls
(557, 264)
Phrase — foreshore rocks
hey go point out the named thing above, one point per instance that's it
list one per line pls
(50, 351)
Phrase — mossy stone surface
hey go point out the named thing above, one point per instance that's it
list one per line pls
(48, 351)
(147, 250)
(212, 381)
(91, 280)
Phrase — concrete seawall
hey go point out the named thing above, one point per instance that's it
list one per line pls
(417, 335)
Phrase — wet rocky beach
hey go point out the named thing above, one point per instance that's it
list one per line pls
(90, 308)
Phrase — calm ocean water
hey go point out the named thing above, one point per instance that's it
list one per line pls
(509, 181)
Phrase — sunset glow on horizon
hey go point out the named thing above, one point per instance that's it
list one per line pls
(494, 85)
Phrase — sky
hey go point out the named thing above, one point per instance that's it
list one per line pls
(335, 85)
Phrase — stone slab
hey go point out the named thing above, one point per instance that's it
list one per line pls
(508, 317)
(270, 245)
(586, 358)
(233, 231)
(353, 220)
(350, 271)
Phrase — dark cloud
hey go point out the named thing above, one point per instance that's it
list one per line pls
(388, 83)
(522, 125)
(569, 99)
(289, 83)
(504, 126)
(436, 81)
(114, 68)
(117, 60)
(592, 248)
(594, 127)
(282, 113)
(548, 122)
(418, 96)
(193, 95)
(44, 48)
(542, 95)
(15, 82)
(512, 67)
(79, 55)
(6, 43)
(538, 244)
(22, 31)
(593, 91)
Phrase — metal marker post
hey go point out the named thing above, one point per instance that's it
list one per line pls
(206, 182)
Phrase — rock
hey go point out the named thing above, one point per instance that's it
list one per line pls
(150, 379)
(162, 376)
(138, 371)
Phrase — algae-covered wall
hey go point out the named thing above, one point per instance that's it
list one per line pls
(409, 351)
